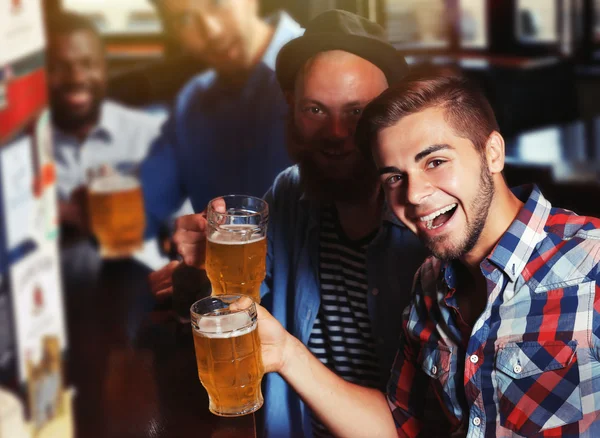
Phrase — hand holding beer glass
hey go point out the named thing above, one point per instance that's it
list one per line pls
(228, 353)
(116, 210)
(236, 248)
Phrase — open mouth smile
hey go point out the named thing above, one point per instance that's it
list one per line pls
(438, 218)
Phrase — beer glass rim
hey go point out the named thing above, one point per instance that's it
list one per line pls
(102, 171)
(264, 210)
(196, 316)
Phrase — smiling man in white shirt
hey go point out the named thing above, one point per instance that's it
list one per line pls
(89, 131)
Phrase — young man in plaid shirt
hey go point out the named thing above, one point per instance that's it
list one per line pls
(503, 332)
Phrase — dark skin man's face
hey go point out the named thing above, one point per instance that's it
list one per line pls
(77, 80)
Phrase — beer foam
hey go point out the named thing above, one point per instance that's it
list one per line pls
(113, 183)
(234, 235)
(226, 326)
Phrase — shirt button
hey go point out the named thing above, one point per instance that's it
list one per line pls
(474, 358)
(434, 370)
(375, 291)
(517, 369)
(477, 421)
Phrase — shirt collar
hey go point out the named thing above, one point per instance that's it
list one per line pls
(286, 29)
(514, 248)
(107, 125)
(109, 122)
(518, 242)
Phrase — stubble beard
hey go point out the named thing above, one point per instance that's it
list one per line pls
(481, 206)
(63, 118)
(359, 184)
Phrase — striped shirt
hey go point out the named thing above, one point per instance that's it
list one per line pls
(341, 337)
(530, 366)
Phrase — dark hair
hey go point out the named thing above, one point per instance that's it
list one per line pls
(69, 22)
(466, 108)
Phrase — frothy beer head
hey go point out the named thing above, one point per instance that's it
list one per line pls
(226, 326)
(235, 234)
(113, 183)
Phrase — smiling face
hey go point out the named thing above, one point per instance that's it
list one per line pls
(76, 78)
(219, 32)
(435, 181)
(330, 94)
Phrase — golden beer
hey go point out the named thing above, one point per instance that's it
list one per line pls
(229, 361)
(116, 210)
(236, 261)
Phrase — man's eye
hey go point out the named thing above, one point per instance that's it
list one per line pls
(356, 111)
(393, 180)
(313, 110)
(435, 163)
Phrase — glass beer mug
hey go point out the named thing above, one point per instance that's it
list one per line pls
(116, 210)
(236, 249)
(228, 353)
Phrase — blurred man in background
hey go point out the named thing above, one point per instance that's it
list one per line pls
(226, 129)
(339, 265)
(89, 131)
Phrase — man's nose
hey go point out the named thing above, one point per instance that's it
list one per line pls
(418, 189)
(76, 75)
(340, 127)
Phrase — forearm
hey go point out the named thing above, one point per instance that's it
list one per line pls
(347, 409)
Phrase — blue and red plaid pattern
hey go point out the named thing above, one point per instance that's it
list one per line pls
(531, 366)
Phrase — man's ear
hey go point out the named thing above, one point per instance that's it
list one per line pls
(494, 151)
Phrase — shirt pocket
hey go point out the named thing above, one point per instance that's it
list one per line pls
(435, 361)
(538, 385)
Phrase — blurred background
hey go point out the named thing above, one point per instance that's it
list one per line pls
(537, 60)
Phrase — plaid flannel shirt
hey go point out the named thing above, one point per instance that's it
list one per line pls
(531, 365)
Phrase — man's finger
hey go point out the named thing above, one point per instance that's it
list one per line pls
(161, 279)
(187, 236)
(192, 254)
(165, 271)
(242, 303)
(191, 222)
(164, 293)
(218, 205)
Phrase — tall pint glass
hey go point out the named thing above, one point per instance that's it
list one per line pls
(236, 250)
(228, 353)
(116, 210)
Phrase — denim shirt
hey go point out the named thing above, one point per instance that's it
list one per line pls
(292, 291)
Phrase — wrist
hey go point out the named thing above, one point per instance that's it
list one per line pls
(292, 351)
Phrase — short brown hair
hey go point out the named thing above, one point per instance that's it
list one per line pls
(466, 108)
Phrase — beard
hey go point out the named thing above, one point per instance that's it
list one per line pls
(481, 206)
(330, 183)
(68, 120)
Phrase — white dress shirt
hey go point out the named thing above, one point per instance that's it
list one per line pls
(123, 136)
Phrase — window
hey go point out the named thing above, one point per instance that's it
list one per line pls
(536, 21)
(418, 24)
(473, 24)
(120, 17)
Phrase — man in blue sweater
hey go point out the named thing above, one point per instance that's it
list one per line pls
(227, 125)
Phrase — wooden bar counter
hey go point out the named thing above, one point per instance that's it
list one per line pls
(133, 368)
